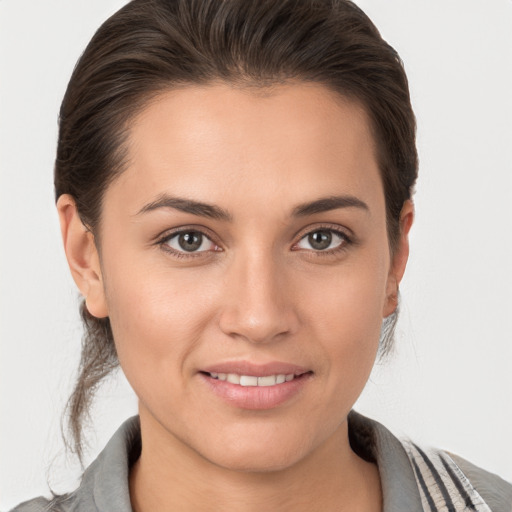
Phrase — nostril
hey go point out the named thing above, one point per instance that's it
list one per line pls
(255, 330)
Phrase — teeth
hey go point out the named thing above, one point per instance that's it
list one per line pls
(247, 380)
(267, 381)
(251, 380)
(233, 378)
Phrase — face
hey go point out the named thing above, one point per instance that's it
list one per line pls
(246, 270)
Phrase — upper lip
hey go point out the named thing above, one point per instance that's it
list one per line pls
(256, 370)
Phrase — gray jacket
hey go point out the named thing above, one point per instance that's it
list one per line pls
(413, 479)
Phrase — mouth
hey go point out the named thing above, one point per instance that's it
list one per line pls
(254, 380)
(257, 387)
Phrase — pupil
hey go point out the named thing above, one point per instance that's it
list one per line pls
(190, 241)
(320, 240)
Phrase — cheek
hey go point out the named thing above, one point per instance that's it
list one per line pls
(157, 319)
(345, 313)
(350, 300)
(351, 328)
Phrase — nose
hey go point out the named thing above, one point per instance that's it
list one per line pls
(259, 301)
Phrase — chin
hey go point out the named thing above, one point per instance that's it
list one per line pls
(266, 450)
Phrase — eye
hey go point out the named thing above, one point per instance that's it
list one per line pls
(189, 241)
(322, 240)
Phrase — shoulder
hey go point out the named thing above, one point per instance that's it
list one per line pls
(35, 505)
(444, 478)
(104, 484)
(493, 489)
(56, 504)
(416, 478)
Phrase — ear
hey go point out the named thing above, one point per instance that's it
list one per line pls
(399, 261)
(82, 255)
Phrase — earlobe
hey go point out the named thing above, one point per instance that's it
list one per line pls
(391, 302)
(82, 256)
(400, 257)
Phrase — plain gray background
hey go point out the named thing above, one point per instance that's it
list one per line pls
(449, 383)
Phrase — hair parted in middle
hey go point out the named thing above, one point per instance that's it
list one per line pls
(152, 46)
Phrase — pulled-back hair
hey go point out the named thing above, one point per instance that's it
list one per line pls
(150, 46)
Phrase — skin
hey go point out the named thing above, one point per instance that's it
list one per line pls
(259, 292)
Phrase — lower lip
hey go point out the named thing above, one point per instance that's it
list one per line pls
(256, 397)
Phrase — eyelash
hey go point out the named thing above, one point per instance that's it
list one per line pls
(163, 241)
(346, 241)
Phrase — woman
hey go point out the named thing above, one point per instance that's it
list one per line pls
(235, 211)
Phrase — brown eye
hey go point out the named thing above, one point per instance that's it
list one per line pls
(322, 240)
(190, 241)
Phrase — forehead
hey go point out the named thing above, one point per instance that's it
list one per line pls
(205, 142)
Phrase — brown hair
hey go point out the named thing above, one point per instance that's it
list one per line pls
(153, 45)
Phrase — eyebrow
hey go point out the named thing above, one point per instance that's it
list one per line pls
(211, 211)
(187, 206)
(326, 204)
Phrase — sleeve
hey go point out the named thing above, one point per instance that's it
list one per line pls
(493, 489)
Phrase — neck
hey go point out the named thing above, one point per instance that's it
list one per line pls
(171, 476)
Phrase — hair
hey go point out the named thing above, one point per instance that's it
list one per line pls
(150, 46)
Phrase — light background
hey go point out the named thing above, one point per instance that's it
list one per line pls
(449, 383)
